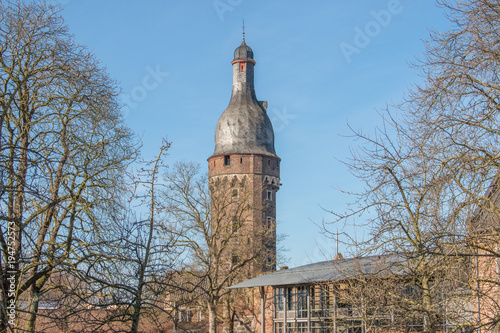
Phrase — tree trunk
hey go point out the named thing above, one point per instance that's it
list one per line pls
(212, 316)
(230, 316)
(33, 310)
(429, 324)
(137, 308)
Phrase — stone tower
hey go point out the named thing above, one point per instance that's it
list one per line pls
(245, 161)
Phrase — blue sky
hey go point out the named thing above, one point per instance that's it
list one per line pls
(320, 65)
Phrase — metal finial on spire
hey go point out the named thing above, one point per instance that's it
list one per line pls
(243, 30)
(337, 244)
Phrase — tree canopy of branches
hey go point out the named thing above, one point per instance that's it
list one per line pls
(215, 229)
(63, 150)
(123, 287)
(427, 169)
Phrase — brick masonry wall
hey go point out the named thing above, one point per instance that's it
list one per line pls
(260, 174)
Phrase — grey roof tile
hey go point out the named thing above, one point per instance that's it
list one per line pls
(333, 270)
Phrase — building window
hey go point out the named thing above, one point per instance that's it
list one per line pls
(269, 222)
(270, 263)
(227, 160)
(268, 162)
(289, 299)
(325, 303)
(235, 225)
(234, 260)
(279, 295)
(497, 261)
(269, 195)
(302, 302)
(241, 160)
(185, 316)
(234, 193)
(301, 327)
(242, 66)
(199, 316)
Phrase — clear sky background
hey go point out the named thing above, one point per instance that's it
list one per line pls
(317, 71)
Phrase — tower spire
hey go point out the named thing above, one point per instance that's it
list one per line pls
(243, 30)
(244, 155)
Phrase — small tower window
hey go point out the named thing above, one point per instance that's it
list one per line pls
(242, 66)
(269, 261)
(227, 160)
(235, 225)
(241, 160)
(269, 222)
(269, 195)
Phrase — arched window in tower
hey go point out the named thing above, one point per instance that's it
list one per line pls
(242, 66)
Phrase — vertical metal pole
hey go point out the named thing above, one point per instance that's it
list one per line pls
(363, 314)
(337, 245)
(285, 303)
(175, 317)
(393, 319)
(477, 292)
(334, 313)
(263, 311)
(308, 307)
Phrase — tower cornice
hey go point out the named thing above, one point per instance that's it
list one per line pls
(245, 154)
(243, 60)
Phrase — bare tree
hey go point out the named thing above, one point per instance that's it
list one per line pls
(461, 107)
(215, 228)
(410, 211)
(153, 252)
(123, 289)
(63, 149)
(430, 171)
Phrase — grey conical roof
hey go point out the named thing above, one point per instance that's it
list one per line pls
(244, 127)
(243, 52)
